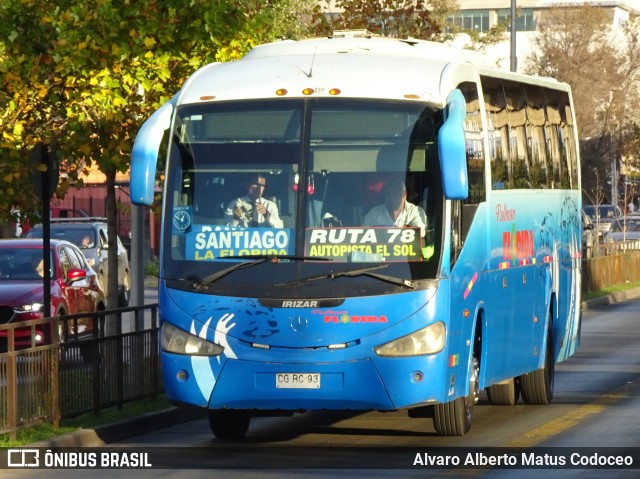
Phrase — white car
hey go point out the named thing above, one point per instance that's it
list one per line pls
(602, 216)
(624, 229)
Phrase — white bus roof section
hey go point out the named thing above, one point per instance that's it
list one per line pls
(374, 67)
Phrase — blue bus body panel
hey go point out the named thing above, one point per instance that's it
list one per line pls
(508, 279)
(144, 156)
(351, 378)
(452, 150)
(520, 269)
(528, 267)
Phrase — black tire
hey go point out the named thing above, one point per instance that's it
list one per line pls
(124, 295)
(229, 424)
(504, 394)
(537, 387)
(454, 418)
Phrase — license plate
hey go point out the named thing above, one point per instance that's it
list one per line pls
(298, 380)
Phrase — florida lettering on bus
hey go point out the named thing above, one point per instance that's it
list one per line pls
(210, 254)
(345, 319)
(517, 244)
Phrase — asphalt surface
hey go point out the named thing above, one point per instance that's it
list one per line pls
(119, 431)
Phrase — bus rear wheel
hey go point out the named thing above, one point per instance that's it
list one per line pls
(454, 418)
(537, 387)
(229, 424)
(505, 393)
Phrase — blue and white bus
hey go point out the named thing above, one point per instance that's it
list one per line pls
(324, 311)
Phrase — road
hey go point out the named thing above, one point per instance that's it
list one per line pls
(596, 405)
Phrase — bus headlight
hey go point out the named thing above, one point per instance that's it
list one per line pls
(429, 340)
(175, 340)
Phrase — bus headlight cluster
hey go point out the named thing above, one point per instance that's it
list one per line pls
(175, 340)
(429, 340)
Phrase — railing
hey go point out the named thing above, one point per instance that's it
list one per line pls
(28, 381)
(95, 361)
(609, 270)
(619, 247)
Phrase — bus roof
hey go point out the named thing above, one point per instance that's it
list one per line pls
(358, 66)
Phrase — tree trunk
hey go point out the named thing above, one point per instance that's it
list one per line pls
(112, 264)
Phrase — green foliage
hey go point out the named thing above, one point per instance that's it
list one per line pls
(111, 415)
(81, 75)
(152, 268)
(33, 434)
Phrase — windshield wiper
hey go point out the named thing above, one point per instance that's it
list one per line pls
(357, 272)
(251, 261)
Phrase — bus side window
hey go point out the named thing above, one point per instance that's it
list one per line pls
(475, 159)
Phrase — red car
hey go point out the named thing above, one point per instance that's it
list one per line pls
(75, 287)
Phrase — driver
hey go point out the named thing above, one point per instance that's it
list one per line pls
(252, 209)
(396, 210)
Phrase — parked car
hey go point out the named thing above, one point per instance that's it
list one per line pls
(75, 287)
(90, 235)
(624, 229)
(589, 237)
(602, 216)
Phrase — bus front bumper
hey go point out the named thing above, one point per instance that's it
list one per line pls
(345, 385)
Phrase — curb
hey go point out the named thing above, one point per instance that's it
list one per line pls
(614, 298)
(124, 429)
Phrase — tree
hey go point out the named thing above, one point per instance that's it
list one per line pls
(577, 46)
(422, 19)
(82, 75)
(392, 18)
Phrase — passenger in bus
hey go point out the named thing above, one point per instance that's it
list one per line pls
(396, 210)
(252, 210)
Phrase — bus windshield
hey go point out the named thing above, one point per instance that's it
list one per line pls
(313, 185)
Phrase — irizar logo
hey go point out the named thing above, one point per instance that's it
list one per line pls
(299, 304)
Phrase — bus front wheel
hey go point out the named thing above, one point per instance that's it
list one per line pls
(454, 418)
(229, 424)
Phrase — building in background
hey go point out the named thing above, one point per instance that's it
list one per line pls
(480, 15)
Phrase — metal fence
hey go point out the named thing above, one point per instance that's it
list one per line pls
(94, 361)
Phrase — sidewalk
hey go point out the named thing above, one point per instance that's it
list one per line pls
(613, 298)
(118, 431)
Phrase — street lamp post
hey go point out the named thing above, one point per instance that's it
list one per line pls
(514, 58)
